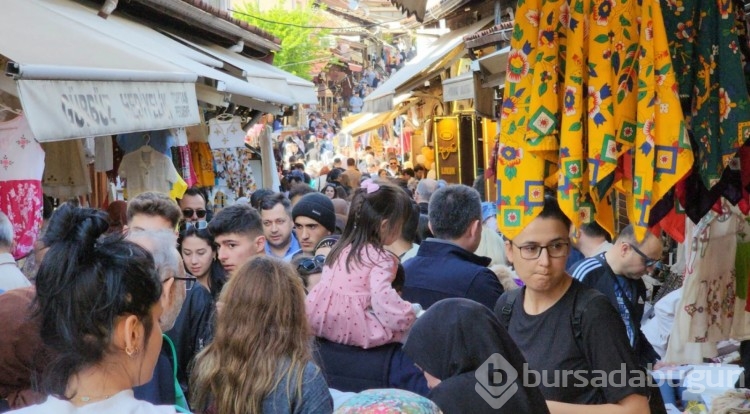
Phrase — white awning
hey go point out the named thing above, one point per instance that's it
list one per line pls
(299, 89)
(425, 64)
(157, 44)
(73, 82)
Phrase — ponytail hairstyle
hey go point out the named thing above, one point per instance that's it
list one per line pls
(373, 202)
(83, 285)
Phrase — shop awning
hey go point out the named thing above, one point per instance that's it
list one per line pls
(363, 122)
(73, 82)
(367, 123)
(421, 68)
(148, 40)
(300, 90)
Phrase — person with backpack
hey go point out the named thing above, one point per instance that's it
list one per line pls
(569, 334)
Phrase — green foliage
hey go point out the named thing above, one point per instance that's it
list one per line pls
(300, 47)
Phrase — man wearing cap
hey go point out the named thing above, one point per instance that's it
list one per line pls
(314, 218)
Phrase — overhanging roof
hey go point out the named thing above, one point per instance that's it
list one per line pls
(424, 65)
(301, 91)
(74, 82)
(148, 40)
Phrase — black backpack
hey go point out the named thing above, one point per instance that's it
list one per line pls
(580, 302)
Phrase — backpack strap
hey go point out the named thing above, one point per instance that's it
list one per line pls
(507, 309)
(581, 301)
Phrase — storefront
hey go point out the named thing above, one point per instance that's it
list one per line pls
(145, 96)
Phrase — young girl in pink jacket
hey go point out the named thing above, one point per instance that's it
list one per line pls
(354, 303)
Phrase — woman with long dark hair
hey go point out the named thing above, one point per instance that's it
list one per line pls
(98, 302)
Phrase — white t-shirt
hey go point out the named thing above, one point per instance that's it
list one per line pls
(121, 403)
(147, 170)
(10, 275)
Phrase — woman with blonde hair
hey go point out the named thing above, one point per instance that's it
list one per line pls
(261, 357)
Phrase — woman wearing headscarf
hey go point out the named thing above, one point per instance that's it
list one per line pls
(463, 363)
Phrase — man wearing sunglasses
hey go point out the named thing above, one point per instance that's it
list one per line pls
(194, 206)
(618, 274)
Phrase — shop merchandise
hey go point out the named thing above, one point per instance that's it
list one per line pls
(616, 79)
(66, 173)
(104, 151)
(148, 170)
(21, 169)
(203, 163)
(225, 131)
(161, 140)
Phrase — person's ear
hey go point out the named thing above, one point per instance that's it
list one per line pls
(167, 296)
(131, 331)
(260, 244)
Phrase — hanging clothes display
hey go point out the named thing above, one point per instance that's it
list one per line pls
(66, 174)
(203, 164)
(741, 321)
(181, 156)
(161, 140)
(148, 170)
(21, 169)
(103, 154)
(711, 81)
(707, 307)
(234, 176)
(612, 120)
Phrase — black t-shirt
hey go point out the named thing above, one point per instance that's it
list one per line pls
(566, 373)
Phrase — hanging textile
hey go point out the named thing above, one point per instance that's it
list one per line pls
(203, 163)
(21, 169)
(226, 132)
(66, 173)
(148, 170)
(584, 88)
(707, 306)
(703, 36)
(161, 140)
(103, 153)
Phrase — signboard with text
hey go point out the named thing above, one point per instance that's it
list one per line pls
(60, 110)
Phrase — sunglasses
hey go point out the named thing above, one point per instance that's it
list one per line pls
(198, 225)
(309, 264)
(188, 212)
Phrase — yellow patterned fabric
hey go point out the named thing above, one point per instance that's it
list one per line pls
(589, 104)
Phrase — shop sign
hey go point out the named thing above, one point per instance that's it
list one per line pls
(446, 142)
(59, 110)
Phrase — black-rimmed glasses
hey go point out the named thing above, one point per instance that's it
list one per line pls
(189, 281)
(188, 213)
(533, 251)
(647, 261)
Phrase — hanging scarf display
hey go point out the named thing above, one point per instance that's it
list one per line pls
(589, 103)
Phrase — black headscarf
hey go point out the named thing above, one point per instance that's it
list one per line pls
(451, 341)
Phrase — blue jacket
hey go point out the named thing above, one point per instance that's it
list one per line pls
(442, 270)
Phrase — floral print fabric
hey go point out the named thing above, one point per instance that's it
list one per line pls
(590, 104)
(703, 38)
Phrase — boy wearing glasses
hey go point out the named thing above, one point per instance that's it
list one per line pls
(618, 273)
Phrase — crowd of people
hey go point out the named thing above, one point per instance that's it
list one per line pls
(364, 292)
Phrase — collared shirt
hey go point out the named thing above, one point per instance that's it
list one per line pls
(294, 247)
(10, 275)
